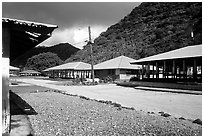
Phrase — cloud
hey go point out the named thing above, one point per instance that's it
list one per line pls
(76, 35)
(66, 14)
(59, 36)
(72, 18)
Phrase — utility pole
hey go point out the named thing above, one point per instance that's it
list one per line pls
(92, 69)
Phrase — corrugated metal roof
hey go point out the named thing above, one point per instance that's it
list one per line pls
(13, 68)
(72, 66)
(121, 62)
(25, 35)
(29, 23)
(185, 52)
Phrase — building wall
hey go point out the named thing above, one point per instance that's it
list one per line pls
(5, 96)
(107, 73)
(121, 74)
(5, 80)
(101, 73)
(126, 74)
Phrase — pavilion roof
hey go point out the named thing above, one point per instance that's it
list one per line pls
(30, 71)
(13, 68)
(121, 62)
(185, 52)
(72, 66)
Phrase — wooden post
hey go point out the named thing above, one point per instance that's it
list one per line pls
(164, 70)
(194, 69)
(142, 71)
(66, 74)
(70, 73)
(174, 69)
(81, 73)
(184, 69)
(153, 71)
(157, 70)
(73, 74)
(148, 70)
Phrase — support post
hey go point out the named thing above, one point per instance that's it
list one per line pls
(142, 71)
(70, 74)
(66, 74)
(184, 69)
(148, 70)
(73, 74)
(174, 69)
(164, 70)
(194, 69)
(153, 71)
(157, 70)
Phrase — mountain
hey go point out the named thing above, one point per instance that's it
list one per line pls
(149, 29)
(63, 50)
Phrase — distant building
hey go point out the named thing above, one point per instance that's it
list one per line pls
(118, 68)
(184, 64)
(70, 70)
(29, 73)
(13, 71)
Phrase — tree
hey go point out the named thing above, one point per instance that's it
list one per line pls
(151, 28)
(43, 61)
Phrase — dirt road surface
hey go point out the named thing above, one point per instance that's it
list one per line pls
(178, 105)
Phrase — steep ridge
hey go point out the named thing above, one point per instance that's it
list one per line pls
(63, 50)
(149, 29)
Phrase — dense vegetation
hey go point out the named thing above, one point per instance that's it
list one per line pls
(63, 50)
(150, 28)
(43, 61)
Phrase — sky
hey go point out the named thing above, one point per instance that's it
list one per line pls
(72, 18)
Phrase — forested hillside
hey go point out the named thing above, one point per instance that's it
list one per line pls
(43, 61)
(149, 29)
(63, 51)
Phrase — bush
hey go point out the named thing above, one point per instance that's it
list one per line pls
(134, 78)
(77, 81)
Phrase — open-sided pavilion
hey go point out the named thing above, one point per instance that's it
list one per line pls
(70, 70)
(184, 64)
(29, 73)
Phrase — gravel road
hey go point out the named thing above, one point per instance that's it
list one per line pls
(59, 114)
(178, 105)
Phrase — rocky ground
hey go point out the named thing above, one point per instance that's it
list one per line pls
(62, 114)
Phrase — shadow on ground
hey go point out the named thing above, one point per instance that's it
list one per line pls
(19, 109)
(18, 106)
